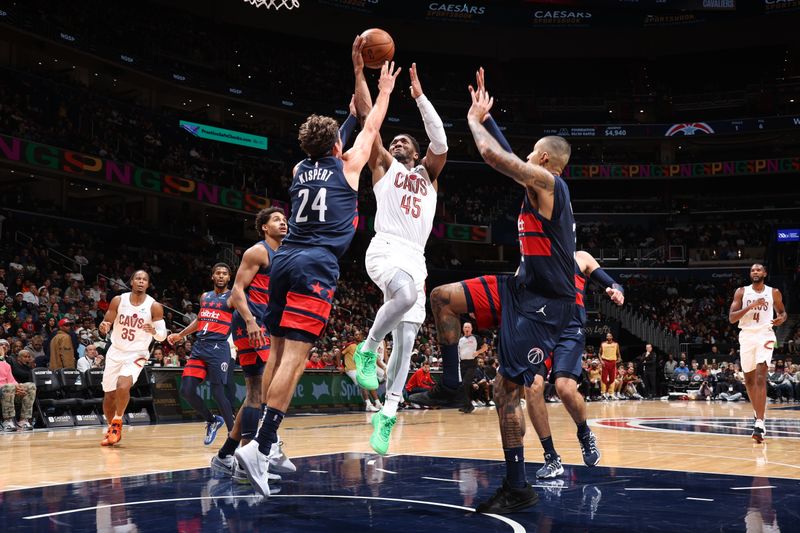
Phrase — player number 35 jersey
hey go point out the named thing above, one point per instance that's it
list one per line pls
(127, 334)
(758, 318)
(406, 202)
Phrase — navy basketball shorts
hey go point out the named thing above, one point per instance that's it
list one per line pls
(251, 359)
(530, 324)
(302, 283)
(209, 361)
(568, 353)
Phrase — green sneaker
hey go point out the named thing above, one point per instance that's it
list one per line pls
(383, 430)
(366, 368)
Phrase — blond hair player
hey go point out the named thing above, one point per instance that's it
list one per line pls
(753, 307)
(135, 319)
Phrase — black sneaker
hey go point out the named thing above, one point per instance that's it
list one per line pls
(439, 395)
(758, 434)
(467, 409)
(591, 455)
(509, 500)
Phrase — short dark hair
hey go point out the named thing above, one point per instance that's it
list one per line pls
(136, 272)
(558, 147)
(220, 265)
(318, 135)
(264, 215)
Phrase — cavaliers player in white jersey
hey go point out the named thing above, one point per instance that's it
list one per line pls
(754, 307)
(135, 319)
(405, 188)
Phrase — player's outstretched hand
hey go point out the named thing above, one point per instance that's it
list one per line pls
(149, 329)
(616, 296)
(481, 104)
(104, 327)
(358, 59)
(255, 334)
(172, 338)
(757, 303)
(388, 77)
(416, 87)
(480, 79)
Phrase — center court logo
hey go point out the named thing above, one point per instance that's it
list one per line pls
(535, 356)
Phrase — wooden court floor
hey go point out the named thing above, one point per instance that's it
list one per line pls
(678, 436)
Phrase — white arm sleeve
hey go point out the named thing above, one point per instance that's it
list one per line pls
(161, 330)
(433, 125)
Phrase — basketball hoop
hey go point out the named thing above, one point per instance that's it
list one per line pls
(275, 4)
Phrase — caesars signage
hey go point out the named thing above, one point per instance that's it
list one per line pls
(128, 175)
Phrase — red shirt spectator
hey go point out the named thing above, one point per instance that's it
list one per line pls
(314, 362)
(421, 379)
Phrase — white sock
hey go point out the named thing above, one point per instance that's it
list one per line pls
(759, 423)
(390, 407)
(370, 344)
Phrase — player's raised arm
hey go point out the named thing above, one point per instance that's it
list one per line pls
(356, 157)
(252, 259)
(534, 177)
(487, 120)
(436, 155)
(379, 159)
(780, 310)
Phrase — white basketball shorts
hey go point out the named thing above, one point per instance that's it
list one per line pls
(755, 347)
(385, 257)
(119, 364)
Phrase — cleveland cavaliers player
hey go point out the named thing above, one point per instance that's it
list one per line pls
(135, 319)
(405, 188)
(753, 308)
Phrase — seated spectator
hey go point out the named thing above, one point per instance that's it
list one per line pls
(594, 380)
(681, 370)
(157, 357)
(778, 386)
(90, 359)
(36, 348)
(173, 359)
(481, 389)
(420, 381)
(10, 391)
(314, 362)
(630, 381)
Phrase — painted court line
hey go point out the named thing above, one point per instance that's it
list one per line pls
(652, 489)
(700, 499)
(443, 479)
(754, 488)
(386, 471)
(318, 471)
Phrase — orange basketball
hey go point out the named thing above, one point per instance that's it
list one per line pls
(378, 48)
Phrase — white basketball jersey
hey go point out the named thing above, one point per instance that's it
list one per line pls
(127, 334)
(406, 203)
(758, 318)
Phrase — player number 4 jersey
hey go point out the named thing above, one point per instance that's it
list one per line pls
(406, 202)
(127, 334)
(758, 318)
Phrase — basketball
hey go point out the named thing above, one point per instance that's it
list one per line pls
(378, 48)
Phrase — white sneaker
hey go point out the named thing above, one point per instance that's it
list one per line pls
(240, 477)
(278, 461)
(224, 466)
(256, 466)
(475, 403)
(371, 408)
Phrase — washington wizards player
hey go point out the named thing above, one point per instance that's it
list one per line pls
(211, 353)
(305, 269)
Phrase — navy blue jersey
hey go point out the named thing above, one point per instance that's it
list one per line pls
(547, 247)
(580, 294)
(257, 293)
(214, 318)
(324, 206)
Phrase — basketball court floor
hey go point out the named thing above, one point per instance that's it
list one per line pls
(666, 466)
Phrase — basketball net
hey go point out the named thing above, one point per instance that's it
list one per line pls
(275, 4)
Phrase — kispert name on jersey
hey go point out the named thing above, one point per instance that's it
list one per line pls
(547, 247)
(324, 206)
(214, 318)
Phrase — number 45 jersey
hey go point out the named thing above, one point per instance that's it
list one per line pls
(324, 206)
(406, 202)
